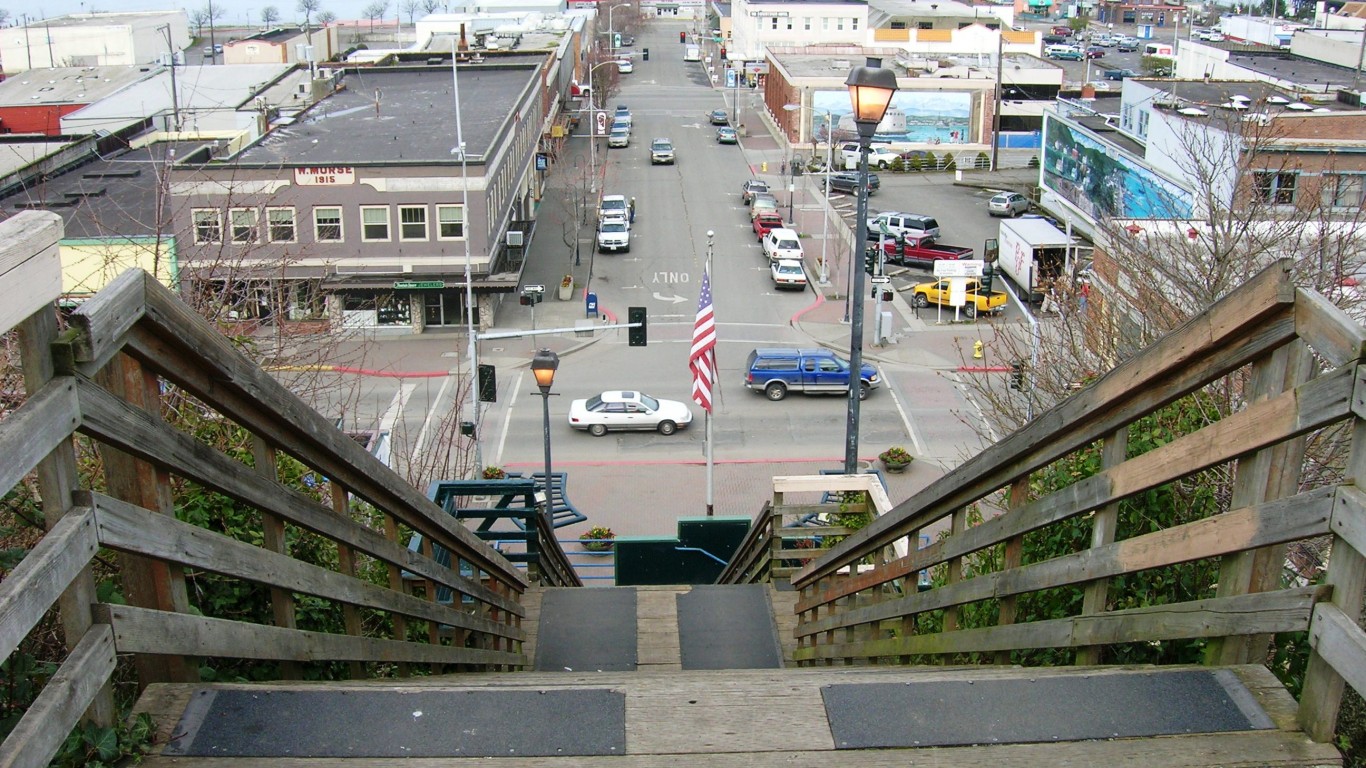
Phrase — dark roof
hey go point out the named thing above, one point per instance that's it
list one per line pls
(412, 122)
(107, 198)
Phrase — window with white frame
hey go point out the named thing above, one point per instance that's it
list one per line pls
(1143, 123)
(208, 225)
(806, 23)
(774, 22)
(898, 25)
(1126, 116)
(412, 222)
(825, 23)
(839, 24)
(450, 222)
(853, 23)
(1343, 190)
(244, 225)
(374, 223)
(1275, 187)
(280, 225)
(327, 224)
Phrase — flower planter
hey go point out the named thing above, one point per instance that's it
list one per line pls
(597, 547)
(566, 291)
(895, 467)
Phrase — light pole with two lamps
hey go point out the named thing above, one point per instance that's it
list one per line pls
(870, 89)
(611, 30)
(543, 367)
(593, 125)
(824, 277)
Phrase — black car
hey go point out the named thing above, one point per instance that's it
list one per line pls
(1054, 39)
(847, 182)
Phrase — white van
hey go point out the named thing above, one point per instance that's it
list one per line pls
(692, 53)
(1164, 50)
(782, 243)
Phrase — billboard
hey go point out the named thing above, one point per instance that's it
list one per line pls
(922, 117)
(1103, 182)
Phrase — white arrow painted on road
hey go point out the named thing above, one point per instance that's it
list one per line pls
(674, 299)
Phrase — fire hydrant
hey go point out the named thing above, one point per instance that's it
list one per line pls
(977, 350)
(763, 167)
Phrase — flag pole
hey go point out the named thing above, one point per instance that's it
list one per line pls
(711, 510)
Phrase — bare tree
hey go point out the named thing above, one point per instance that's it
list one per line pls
(410, 7)
(376, 10)
(431, 6)
(326, 17)
(4, 17)
(308, 8)
(269, 15)
(210, 14)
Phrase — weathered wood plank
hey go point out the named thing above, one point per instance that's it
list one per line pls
(138, 630)
(102, 322)
(1114, 449)
(1349, 517)
(1262, 612)
(49, 719)
(1257, 426)
(34, 429)
(1276, 521)
(193, 354)
(1327, 329)
(1239, 328)
(34, 586)
(30, 266)
(130, 528)
(1340, 642)
(130, 430)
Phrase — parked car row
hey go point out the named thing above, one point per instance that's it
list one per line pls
(782, 246)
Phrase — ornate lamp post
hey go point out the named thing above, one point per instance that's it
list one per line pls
(543, 367)
(870, 89)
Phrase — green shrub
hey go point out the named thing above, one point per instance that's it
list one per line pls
(897, 166)
(949, 163)
(983, 161)
(916, 165)
(1034, 161)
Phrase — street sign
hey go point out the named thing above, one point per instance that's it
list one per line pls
(879, 279)
(963, 268)
(419, 285)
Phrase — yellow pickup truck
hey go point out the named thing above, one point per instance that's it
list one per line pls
(977, 301)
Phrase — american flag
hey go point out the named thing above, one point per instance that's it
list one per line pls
(702, 359)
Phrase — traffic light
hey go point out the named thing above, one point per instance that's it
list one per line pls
(635, 335)
(1017, 375)
(870, 259)
(488, 384)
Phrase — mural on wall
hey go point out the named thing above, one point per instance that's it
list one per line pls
(1103, 183)
(921, 117)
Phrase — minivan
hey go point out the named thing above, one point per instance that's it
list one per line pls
(782, 243)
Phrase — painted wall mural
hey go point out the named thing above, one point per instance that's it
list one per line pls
(921, 117)
(1103, 182)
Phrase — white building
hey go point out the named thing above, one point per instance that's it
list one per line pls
(760, 24)
(94, 40)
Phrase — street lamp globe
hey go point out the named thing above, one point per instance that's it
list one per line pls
(543, 367)
(870, 90)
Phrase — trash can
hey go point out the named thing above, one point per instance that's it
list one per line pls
(645, 54)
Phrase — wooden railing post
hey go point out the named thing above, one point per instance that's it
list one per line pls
(346, 563)
(1103, 525)
(273, 540)
(1011, 556)
(953, 615)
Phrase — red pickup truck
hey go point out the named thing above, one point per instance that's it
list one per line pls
(913, 251)
(765, 222)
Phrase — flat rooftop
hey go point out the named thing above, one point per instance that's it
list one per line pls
(836, 61)
(1305, 74)
(99, 19)
(66, 85)
(412, 122)
(1260, 97)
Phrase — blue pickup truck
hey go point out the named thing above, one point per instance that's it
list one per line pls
(777, 370)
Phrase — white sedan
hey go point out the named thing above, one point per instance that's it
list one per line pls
(788, 273)
(624, 66)
(628, 410)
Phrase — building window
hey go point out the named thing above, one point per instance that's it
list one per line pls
(280, 225)
(327, 225)
(244, 229)
(853, 24)
(1143, 123)
(208, 225)
(774, 22)
(374, 223)
(412, 222)
(806, 23)
(825, 24)
(1343, 190)
(789, 23)
(924, 25)
(1275, 187)
(839, 24)
(898, 25)
(1126, 116)
(450, 222)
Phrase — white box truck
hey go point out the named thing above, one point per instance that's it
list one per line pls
(692, 53)
(1033, 253)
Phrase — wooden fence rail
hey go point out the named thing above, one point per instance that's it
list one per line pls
(102, 381)
(1299, 360)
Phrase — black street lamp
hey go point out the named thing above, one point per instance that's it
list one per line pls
(543, 367)
(870, 89)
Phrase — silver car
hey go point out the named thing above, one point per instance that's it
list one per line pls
(1008, 204)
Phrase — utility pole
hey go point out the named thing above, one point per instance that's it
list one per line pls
(996, 113)
(175, 93)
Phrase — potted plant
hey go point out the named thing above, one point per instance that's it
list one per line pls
(494, 473)
(896, 459)
(567, 288)
(598, 539)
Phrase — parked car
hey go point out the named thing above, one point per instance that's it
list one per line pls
(625, 67)
(976, 301)
(751, 188)
(765, 222)
(1119, 74)
(1008, 204)
(614, 234)
(925, 158)
(1102, 41)
(1054, 39)
(661, 151)
(619, 138)
(1094, 52)
(726, 135)
(782, 243)
(614, 206)
(718, 117)
(906, 224)
(621, 409)
(1064, 53)
(1063, 30)
(622, 115)
(847, 182)
(208, 52)
(777, 370)
(1127, 46)
(878, 157)
(787, 273)
(761, 204)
